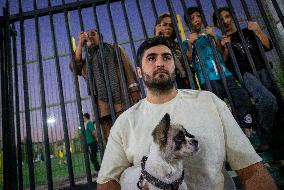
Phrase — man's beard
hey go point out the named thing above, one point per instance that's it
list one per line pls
(159, 84)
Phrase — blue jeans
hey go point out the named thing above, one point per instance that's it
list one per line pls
(265, 103)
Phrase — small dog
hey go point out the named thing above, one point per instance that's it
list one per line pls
(163, 169)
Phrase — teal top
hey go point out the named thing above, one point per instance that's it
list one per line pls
(89, 132)
(208, 56)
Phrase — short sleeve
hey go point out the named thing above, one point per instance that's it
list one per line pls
(251, 34)
(239, 151)
(90, 126)
(114, 161)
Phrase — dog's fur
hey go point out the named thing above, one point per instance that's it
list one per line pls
(171, 143)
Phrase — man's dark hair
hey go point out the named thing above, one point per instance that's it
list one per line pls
(214, 17)
(189, 12)
(159, 20)
(151, 42)
(86, 115)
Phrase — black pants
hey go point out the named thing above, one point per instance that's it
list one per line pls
(265, 103)
(244, 109)
(93, 147)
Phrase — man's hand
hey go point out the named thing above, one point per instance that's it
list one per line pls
(94, 133)
(254, 26)
(192, 37)
(135, 96)
(83, 36)
(158, 30)
(225, 39)
(209, 31)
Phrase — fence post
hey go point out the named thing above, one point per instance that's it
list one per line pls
(43, 103)
(61, 99)
(26, 101)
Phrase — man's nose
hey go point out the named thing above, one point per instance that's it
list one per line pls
(160, 62)
(225, 21)
(168, 27)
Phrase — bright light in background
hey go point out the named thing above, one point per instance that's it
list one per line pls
(51, 120)
(79, 128)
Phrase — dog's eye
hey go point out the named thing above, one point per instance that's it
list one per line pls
(180, 138)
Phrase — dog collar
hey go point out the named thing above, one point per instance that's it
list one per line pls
(156, 182)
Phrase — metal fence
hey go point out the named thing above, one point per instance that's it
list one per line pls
(42, 102)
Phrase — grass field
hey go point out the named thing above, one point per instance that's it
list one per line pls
(59, 169)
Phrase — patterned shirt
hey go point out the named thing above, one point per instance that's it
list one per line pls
(208, 58)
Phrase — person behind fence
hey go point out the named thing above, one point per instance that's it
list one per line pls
(202, 113)
(112, 67)
(90, 133)
(244, 110)
(164, 27)
(259, 89)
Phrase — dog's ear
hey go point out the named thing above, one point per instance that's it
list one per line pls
(160, 133)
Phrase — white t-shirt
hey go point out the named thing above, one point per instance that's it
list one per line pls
(204, 115)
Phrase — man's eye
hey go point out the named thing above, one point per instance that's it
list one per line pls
(166, 58)
(150, 58)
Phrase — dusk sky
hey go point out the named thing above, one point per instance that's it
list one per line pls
(51, 87)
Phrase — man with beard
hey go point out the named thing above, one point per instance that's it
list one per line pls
(202, 113)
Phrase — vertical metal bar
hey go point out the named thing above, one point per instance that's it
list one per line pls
(5, 115)
(278, 11)
(43, 103)
(228, 45)
(26, 101)
(61, 99)
(13, 158)
(131, 43)
(102, 53)
(98, 128)
(101, 141)
(215, 53)
(199, 56)
(270, 30)
(184, 57)
(142, 19)
(5, 109)
(244, 43)
(12, 144)
(17, 110)
(154, 9)
(118, 57)
(78, 97)
(261, 49)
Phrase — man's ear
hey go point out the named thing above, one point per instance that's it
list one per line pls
(139, 72)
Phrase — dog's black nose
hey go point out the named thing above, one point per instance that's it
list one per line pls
(195, 142)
